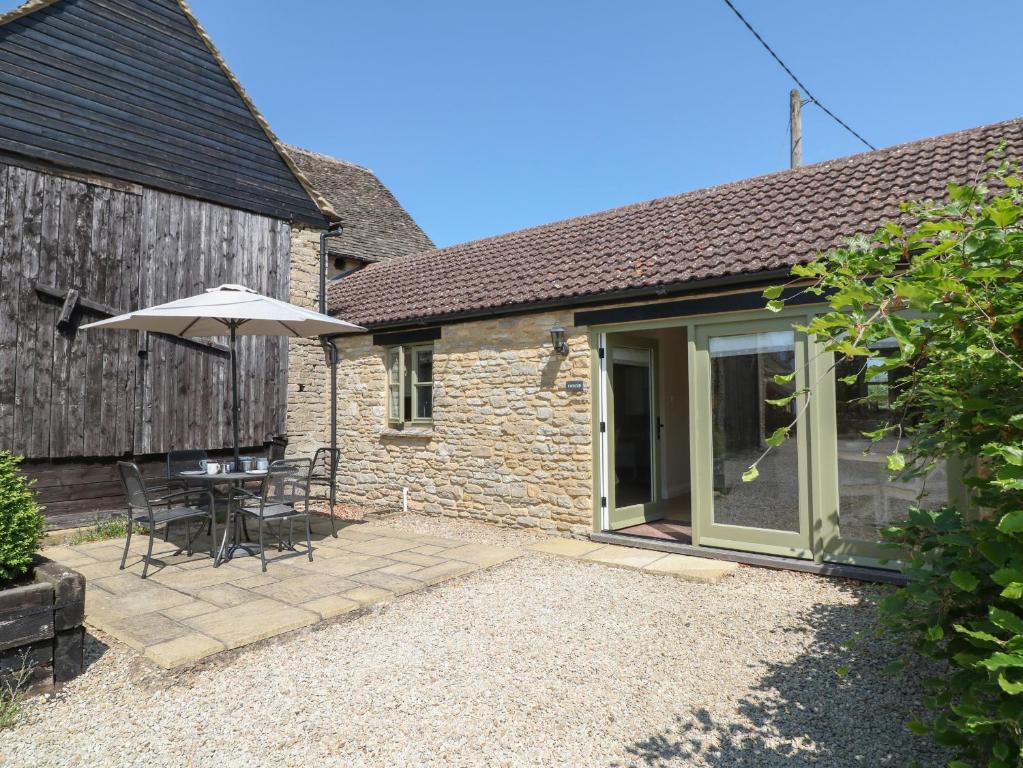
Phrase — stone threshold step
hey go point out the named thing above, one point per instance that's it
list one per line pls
(684, 567)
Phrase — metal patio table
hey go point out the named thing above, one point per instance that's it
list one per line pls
(231, 542)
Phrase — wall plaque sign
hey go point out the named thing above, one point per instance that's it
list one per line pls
(575, 386)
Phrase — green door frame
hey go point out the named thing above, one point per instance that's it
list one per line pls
(817, 445)
(768, 541)
(635, 513)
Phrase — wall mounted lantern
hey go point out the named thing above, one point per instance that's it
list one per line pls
(558, 340)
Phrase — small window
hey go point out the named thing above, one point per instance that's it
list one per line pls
(410, 385)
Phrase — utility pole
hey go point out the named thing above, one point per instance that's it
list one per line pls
(795, 129)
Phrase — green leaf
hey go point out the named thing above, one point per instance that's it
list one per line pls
(775, 305)
(1013, 591)
(1011, 522)
(778, 437)
(750, 474)
(935, 633)
(842, 671)
(784, 378)
(1006, 620)
(781, 402)
(773, 292)
(965, 580)
(896, 462)
(1013, 688)
(999, 660)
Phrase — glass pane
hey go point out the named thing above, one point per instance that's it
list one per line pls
(393, 402)
(424, 366)
(408, 386)
(633, 471)
(867, 499)
(392, 366)
(393, 387)
(742, 368)
(424, 401)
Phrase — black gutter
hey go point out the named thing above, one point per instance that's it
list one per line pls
(745, 280)
(327, 342)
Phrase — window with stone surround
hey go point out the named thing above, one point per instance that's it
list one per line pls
(410, 385)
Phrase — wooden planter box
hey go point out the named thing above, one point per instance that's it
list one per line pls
(41, 622)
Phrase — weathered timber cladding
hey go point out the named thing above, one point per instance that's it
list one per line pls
(128, 89)
(71, 393)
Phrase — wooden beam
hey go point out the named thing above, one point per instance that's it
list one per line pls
(72, 299)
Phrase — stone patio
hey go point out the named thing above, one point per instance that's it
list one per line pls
(187, 610)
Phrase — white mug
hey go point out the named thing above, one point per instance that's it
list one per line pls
(212, 468)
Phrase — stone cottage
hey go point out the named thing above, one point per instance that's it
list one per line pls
(606, 375)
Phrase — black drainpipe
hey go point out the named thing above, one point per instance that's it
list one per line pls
(335, 230)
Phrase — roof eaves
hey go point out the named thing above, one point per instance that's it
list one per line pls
(29, 6)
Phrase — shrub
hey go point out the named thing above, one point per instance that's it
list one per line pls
(947, 284)
(21, 524)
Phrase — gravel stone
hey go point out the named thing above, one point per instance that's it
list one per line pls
(542, 661)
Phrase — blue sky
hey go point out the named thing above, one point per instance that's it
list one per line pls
(489, 117)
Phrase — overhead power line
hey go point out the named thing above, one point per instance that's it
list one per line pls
(811, 99)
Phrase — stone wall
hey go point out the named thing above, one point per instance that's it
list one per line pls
(308, 424)
(508, 445)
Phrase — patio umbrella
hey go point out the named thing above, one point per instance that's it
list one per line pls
(229, 310)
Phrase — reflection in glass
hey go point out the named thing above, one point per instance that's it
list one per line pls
(868, 499)
(632, 434)
(742, 371)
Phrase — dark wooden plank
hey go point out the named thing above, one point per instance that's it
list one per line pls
(45, 317)
(10, 286)
(118, 55)
(95, 284)
(26, 363)
(47, 74)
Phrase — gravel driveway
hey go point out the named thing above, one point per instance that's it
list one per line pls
(542, 661)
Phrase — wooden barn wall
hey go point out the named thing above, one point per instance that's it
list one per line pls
(128, 89)
(68, 393)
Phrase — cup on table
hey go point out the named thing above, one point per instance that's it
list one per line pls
(202, 464)
(246, 463)
(212, 468)
(229, 466)
(262, 464)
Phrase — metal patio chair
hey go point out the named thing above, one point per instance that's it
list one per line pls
(165, 509)
(284, 499)
(323, 471)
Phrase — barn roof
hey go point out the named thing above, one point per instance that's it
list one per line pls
(733, 230)
(376, 226)
(136, 90)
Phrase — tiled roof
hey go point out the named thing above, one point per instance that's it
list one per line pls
(742, 228)
(376, 227)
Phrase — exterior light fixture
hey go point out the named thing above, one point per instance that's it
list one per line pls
(558, 340)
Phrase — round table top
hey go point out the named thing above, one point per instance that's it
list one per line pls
(222, 477)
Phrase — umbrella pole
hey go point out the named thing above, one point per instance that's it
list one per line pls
(234, 391)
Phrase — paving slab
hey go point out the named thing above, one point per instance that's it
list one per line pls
(252, 621)
(330, 606)
(701, 569)
(305, 588)
(69, 556)
(565, 547)
(185, 649)
(627, 557)
(145, 629)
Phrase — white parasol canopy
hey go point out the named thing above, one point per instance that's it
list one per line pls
(216, 311)
(229, 310)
